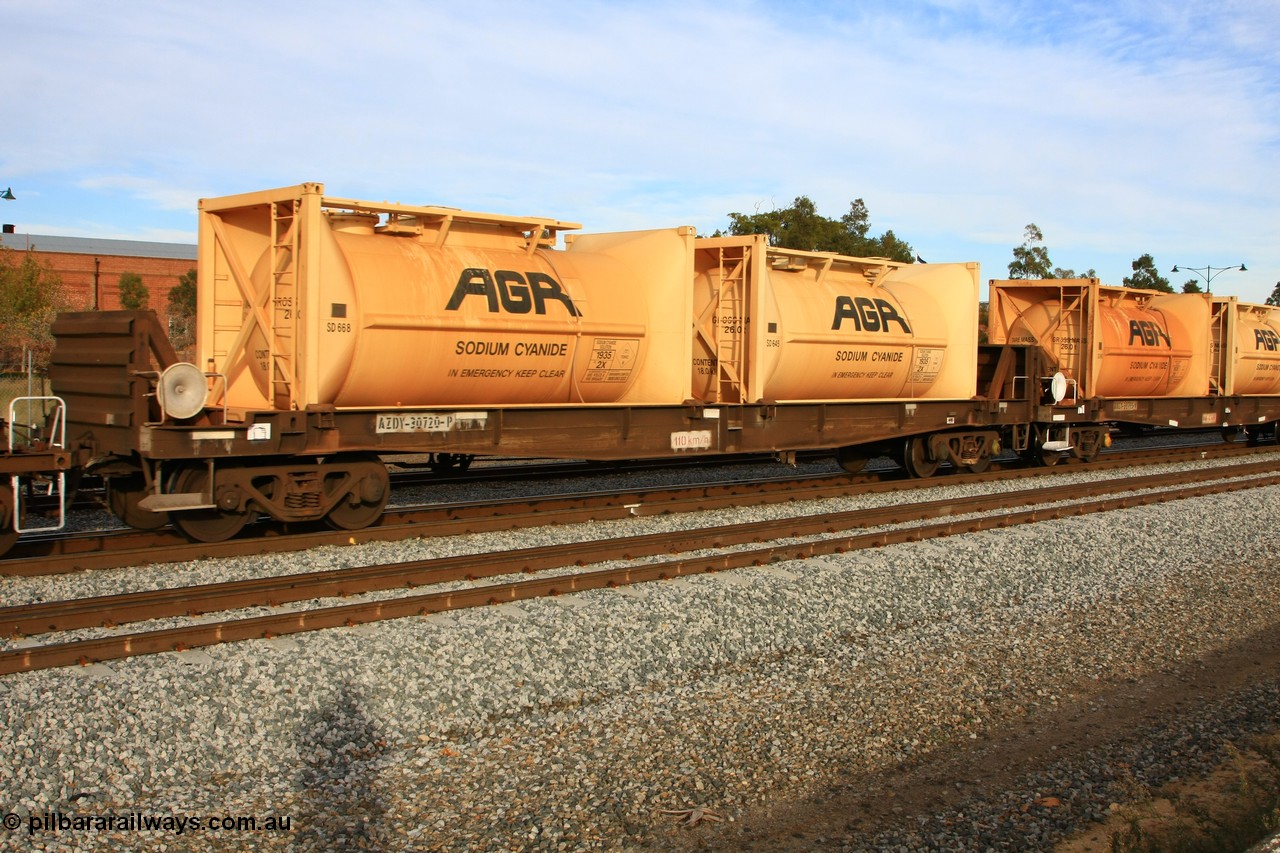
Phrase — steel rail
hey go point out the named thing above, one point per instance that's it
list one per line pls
(119, 609)
(176, 639)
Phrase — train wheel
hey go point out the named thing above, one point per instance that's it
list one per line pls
(980, 466)
(123, 494)
(8, 505)
(915, 457)
(852, 459)
(204, 525)
(1231, 434)
(362, 506)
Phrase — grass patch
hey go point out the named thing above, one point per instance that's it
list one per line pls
(1237, 806)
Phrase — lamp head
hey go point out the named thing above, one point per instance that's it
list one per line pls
(8, 195)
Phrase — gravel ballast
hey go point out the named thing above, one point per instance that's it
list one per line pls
(575, 723)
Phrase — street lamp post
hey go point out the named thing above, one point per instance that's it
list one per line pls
(8, 195)
(1207, 273)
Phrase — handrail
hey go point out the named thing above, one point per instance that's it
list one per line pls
(57, 438)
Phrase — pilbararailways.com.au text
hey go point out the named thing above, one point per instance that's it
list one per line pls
(58, 822)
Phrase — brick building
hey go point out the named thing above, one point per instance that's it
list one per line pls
(90, 268)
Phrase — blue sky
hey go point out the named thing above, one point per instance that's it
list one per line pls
(1119, 128)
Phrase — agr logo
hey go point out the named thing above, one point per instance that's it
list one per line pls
(1147, 333)
(510, 291)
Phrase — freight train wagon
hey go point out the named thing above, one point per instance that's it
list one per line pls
(332, 330)
(1139, 358)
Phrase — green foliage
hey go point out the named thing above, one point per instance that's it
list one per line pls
(1147, 277)
(1059, 272)
(1191, 286)
(1231, 811)
(1031, 259)
(31, 295)
(800, 226)
(182, 314)
(133, 293)
(1274, 298)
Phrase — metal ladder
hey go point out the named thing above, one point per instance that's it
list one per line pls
(1220, 325)
(282, 337)
(729, 327)
(1077, 368)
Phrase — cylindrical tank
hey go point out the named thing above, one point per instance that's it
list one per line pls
(845, 329)
(1149, 350)
(410, 322)
(1145, 344)
(1253, 351)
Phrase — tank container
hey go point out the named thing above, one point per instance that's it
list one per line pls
(783, 325)
(1246, 346)
(307, 300)
(1110, 341)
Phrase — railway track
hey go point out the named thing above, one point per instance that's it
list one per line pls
(917, 521)
(56, 554)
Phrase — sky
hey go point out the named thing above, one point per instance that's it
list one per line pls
(1120, 128)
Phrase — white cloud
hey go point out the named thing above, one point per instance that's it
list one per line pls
(154, 193)
(1120, 128)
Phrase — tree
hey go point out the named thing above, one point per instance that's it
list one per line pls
(1274, 298)
(133, 293)
(1031, 259)
(800, 226)
(182, 314)
(893, 248)
(31, 295)
(1059, 272)
(1147, 277)
(1191, 286)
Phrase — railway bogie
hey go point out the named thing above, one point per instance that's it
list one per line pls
(211, 501)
